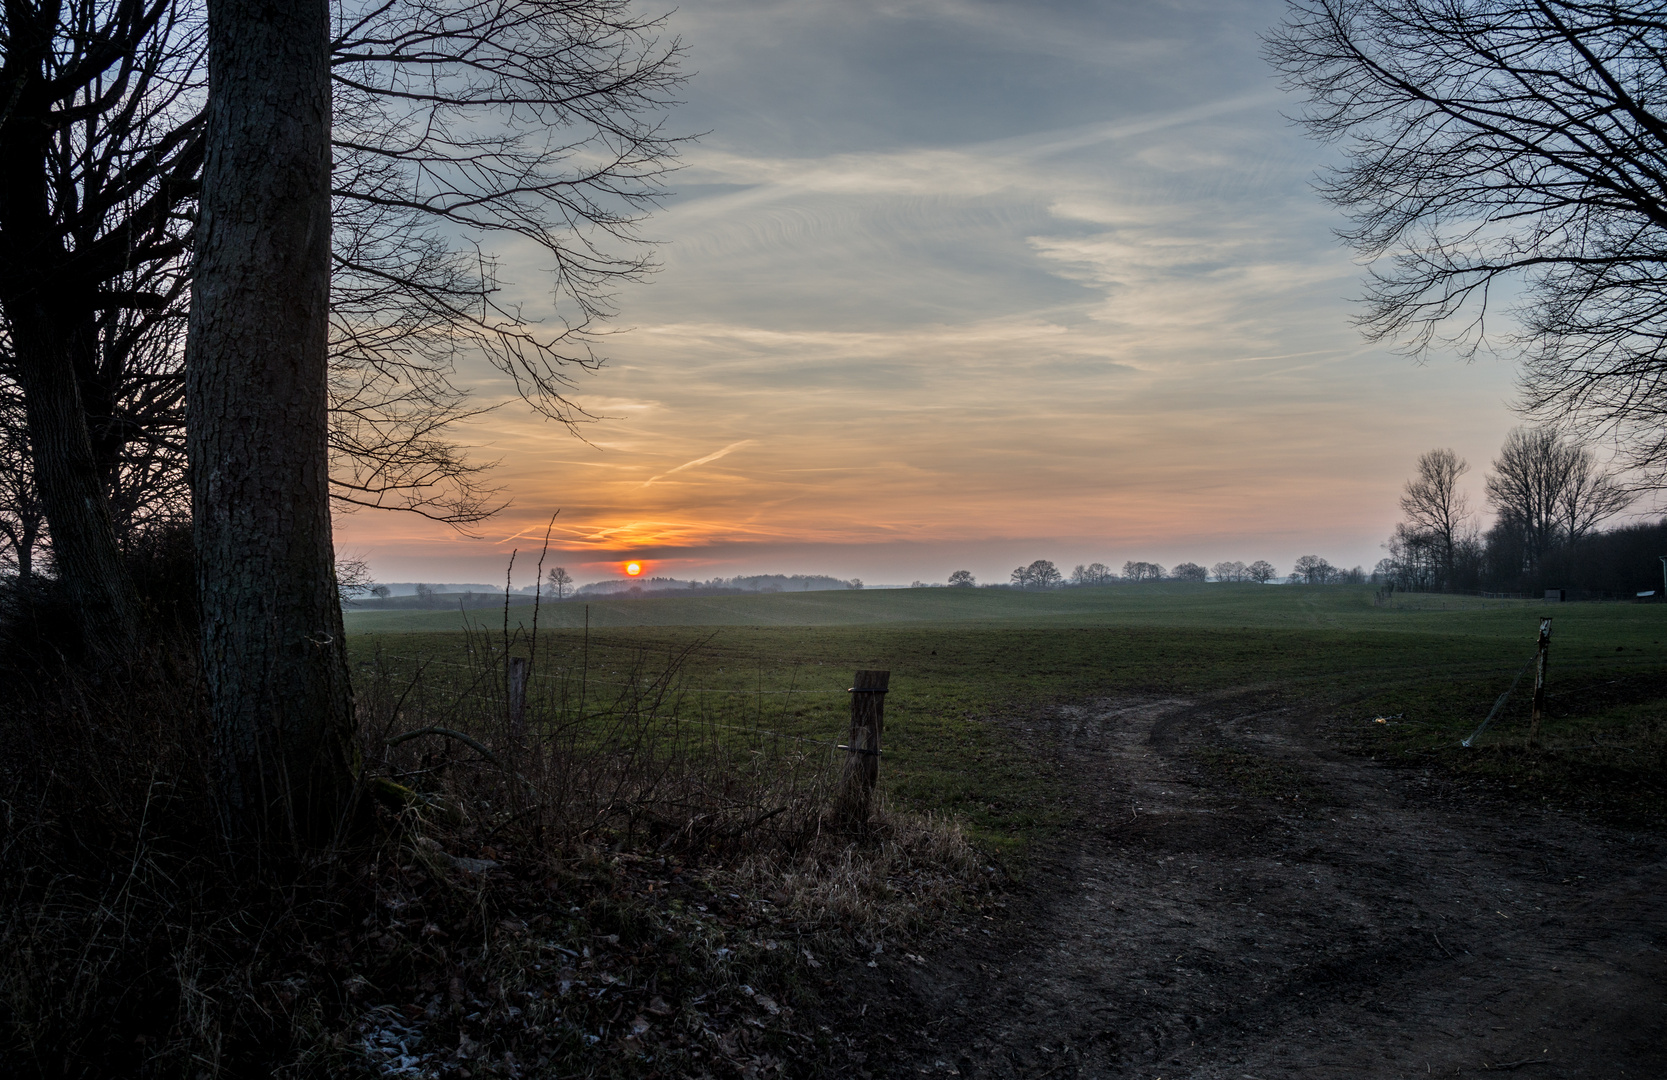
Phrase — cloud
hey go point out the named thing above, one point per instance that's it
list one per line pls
(731, 448)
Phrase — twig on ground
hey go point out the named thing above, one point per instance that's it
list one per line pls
(471, 743)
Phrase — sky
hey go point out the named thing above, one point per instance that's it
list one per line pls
(949, 284)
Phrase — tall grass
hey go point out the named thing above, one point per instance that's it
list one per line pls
(622, 757)
(134, 940)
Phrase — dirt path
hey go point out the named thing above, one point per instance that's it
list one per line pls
(1207, 924)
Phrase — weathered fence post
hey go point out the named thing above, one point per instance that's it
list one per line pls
(1540, 657)
(862, 758)
(518, 696)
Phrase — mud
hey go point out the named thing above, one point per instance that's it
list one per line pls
(1240, 899)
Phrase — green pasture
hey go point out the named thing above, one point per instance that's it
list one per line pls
(1158, 604)
(969, 666)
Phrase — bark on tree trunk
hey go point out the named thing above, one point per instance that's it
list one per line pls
(84, 544)
(256, 426)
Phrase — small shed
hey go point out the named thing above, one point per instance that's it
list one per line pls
(1554, 594)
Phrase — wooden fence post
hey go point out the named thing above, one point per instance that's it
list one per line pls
(862, 758)
(1540, 657)
(518, 696)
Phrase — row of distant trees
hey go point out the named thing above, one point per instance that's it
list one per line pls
(1043, 574)
(717, 586)
(1549, 496)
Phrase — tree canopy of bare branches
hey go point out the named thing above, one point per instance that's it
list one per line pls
(1433, 503)
(1549, 491)
(1495, 142)
(1092, 574)
(1313, 570)
(459, 126)
(1041, 574)
(100, 141)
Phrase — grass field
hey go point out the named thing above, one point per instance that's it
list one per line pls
(969, 665)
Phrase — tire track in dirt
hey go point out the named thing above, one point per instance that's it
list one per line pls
(1240, 900)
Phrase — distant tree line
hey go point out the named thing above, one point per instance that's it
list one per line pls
(745, 583)
(1043, 574)
(1549, 496)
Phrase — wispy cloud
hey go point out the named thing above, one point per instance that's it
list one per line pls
(730, 449)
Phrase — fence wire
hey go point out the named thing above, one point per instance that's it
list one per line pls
(1500, 704)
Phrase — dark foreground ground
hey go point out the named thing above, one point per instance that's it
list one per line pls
(1241, 900)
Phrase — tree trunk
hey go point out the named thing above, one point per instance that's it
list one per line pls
(84, 548)
(256, 426)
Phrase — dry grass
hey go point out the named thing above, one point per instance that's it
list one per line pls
(608, 887)
(891, 880)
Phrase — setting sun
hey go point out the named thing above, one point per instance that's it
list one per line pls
(633, 569)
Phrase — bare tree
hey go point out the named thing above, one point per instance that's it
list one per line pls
(962, 579)
(1591, 495)
(1261, 571)
(1040, 574)
(1526, 489)
(1189, 571)
(1496, 141)
(460, 124)
(1313, 570)
(1092, 574)
(22, 518)
(354, 578)
(559, 580)
(1548, 491)
(1434, 504)
(1142, 571)
(94, 91)
(273, 657)
(1229, 571)
(1415, 559)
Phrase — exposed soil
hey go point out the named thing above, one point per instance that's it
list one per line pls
(1242, 900)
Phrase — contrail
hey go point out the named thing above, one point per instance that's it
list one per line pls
(701, 461)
